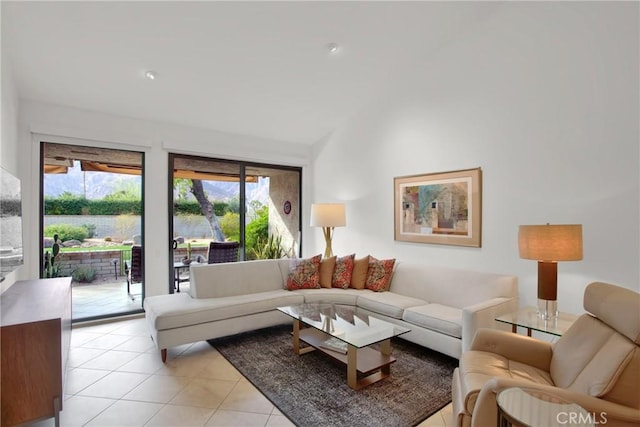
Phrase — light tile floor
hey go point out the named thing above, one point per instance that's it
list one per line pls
(116, 378)
(102, 298)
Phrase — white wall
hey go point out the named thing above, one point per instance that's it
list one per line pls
(52, 123)
(543, 97)
(9, 142)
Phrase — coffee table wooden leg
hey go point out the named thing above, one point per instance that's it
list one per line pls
(385, 348)
(352, 367)
(296, 340)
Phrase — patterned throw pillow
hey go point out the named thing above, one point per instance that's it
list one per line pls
(327, 265)
(379, 274)
(359, 276)
(342, 272)
(304, 273)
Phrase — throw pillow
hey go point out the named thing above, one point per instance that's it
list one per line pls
(342, 272)
(379, 274)
(327, 265)
(304, 273)
(359, 276)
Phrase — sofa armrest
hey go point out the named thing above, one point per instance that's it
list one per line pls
(601, 411)
(482, 315)
(518, 348)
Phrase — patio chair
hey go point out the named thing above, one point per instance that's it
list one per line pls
(223, 252)
(133, 269)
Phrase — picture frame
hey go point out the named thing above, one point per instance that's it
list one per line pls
(442, 208)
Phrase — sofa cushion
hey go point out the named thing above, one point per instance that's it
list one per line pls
(387, 303)
(234, 278)
(437, 317)
(359, 276)
(478, 367)
(179, 310)
(327, 265)
(304, 273)
(342, 272)
(379, 274)
(334, 295)
(447, 286)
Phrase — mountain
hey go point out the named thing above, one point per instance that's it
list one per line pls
(96, 185)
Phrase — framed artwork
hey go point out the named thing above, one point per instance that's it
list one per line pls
(441, 208)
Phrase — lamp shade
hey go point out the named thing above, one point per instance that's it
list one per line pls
(550, 242)
(328, 215)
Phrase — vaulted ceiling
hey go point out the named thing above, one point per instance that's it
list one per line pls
(253, 68)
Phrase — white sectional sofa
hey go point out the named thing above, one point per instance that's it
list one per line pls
(443, 307)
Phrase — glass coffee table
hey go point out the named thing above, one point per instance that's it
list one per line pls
(345, 335)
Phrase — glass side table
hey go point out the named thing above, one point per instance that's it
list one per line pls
(532, 408)
(527, 317)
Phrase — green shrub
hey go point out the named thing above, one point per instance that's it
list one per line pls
(91, 230)
(84, 274)
(66, 232)
(192, 207)
(257, 231)
(78, 205)
(66, 204)
(230, 225)
(115, 207)
(271, 249)
(127, 226)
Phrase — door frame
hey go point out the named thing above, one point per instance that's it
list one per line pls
(42, 139)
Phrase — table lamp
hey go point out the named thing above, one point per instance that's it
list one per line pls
(328, 216)
(549, 244)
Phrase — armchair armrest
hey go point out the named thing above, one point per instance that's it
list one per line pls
(601, 411)
(514, 347)
(482, 315)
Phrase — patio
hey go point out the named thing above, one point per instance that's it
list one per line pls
(105, 298)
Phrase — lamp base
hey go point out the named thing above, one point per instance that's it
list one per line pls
(547, 309)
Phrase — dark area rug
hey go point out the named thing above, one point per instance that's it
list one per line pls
(311, 390)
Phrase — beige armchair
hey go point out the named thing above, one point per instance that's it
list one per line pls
(595, 364)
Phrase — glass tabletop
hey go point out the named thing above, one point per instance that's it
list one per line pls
(344, 323)
(527, 317)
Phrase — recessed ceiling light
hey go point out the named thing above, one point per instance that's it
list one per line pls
(151, 75)
(333, 47)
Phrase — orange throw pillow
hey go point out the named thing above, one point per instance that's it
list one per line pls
(359, 276)
(327, 265)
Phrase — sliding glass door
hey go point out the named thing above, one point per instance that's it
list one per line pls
(92, 212)
(217, 200)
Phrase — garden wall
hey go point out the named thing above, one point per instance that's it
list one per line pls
(109, 264)
(124, 227)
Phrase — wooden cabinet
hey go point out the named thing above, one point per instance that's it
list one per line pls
(34, 343)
